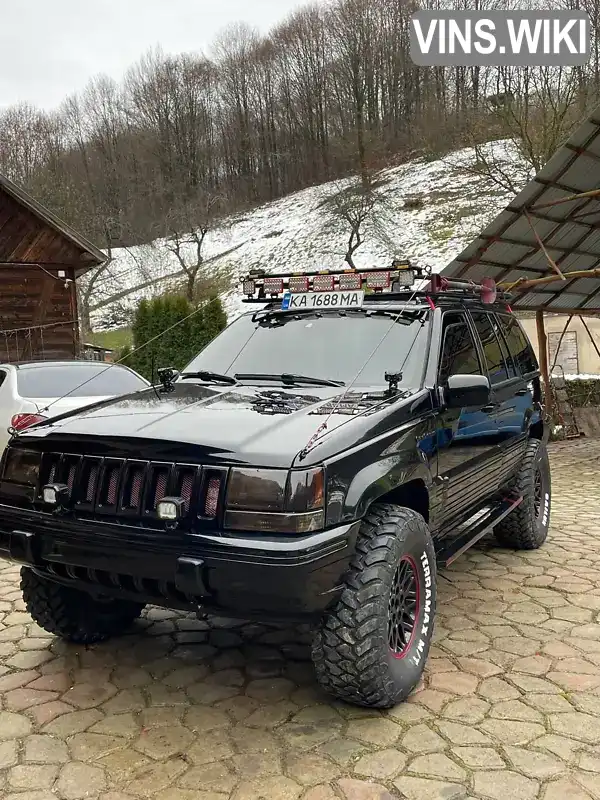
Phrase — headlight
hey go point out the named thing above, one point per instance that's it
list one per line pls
(276, 501)
(21, 466)
(257, 489)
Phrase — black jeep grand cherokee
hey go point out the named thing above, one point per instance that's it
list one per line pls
(316, 461)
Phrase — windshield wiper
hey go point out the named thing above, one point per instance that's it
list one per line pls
(210, 377)
(287, 379)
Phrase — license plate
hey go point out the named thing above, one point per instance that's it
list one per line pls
(304, 300)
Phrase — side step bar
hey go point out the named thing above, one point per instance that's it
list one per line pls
(467, 538)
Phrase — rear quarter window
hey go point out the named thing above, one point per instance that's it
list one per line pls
(496, 357)
(77, 380)
(518, 344)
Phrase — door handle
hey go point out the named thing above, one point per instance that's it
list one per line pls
(490, 408)
(522, 392)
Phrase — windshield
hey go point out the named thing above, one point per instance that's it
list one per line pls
(333, 346)
(77, 380)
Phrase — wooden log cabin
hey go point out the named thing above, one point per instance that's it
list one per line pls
(40, 259)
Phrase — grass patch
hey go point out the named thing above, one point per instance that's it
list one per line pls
(441, 234)
(112, 340)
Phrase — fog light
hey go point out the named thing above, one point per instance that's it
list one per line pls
(55, 494)
(171, 508)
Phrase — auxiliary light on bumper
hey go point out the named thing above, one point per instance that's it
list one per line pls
(55, 494)
(171, 509)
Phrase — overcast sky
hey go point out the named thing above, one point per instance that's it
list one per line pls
(50, 48)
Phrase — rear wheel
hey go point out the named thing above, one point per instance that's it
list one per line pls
(371, 648)
(526, 528)
(75, 615)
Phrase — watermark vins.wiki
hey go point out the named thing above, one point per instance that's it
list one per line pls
(500, 38)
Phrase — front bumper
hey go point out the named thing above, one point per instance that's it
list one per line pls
(259, 578)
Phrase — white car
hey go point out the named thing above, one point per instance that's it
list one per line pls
(38, 390)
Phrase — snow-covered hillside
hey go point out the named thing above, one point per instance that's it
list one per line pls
(431, 210)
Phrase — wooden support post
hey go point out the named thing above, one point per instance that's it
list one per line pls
(543, 353)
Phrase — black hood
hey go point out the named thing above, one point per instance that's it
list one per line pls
(241, 424)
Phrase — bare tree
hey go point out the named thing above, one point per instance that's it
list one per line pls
(352, 205)
(535, 109)
(186, 229)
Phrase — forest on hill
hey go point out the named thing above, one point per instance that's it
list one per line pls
(184, 140)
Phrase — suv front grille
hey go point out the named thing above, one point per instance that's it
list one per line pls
(130, 490)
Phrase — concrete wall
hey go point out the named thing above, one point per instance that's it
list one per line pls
(589, 361)
(588, 421)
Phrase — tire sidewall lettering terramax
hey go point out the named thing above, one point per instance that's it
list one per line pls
(409, 669)
(542, 522)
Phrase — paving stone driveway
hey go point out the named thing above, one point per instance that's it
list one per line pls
(185, 710)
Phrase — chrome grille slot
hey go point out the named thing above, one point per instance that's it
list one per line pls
(108, 494)
(185, 485)
(89, 475)
(49, 469)
(157, 486)
(133, 486)
(137, 484)
(71, 477)
(91, 483)
(67, 472)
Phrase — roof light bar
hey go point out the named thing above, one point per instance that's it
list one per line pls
(378, 280)
(403, 279)
(273, 286)
(262, 287)
(323, 283)
(298, 283)
(351, 281)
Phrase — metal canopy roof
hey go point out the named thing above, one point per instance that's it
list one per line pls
(545, 223)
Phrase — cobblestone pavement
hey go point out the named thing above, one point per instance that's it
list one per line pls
(185, 710)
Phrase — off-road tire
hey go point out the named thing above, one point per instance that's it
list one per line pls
(526, 528)
(352, 654)
(72, 614)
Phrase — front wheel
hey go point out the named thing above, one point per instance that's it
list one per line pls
(526, 528)
(75, 615)
(371, 648)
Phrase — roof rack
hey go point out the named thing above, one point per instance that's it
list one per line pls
(486, 292)
(382, 285)
(262, 287)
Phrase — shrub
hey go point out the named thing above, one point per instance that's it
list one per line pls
(583, 392)
(168, 331)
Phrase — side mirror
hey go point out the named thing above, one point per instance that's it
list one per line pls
(467, 391)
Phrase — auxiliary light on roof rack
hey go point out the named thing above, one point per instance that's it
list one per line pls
(260, 287)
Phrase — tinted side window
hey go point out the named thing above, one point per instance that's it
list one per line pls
(494, 354)
(518, 344)
(506, 355)
(459, 354)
